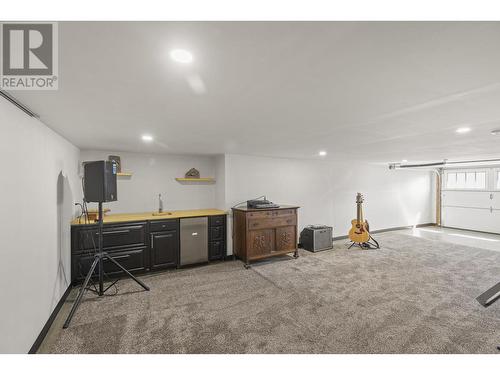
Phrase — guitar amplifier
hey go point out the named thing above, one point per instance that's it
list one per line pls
(316, 238)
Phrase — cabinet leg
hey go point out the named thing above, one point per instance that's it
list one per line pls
(247, 265)
(296, 254)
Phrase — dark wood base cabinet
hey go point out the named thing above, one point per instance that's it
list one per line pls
(139, 246)
(217, 247)
(263, 233)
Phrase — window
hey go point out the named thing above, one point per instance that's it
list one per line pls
(468, 180)
(451, 180)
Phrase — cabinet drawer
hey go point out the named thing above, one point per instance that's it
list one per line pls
(113, 237)
(217, 220)
(158, 226)
(216, 250)
(283, 212)
(133, 260)
(272, 222)
(216, 233)
(86, 239)
(258, 214)
(124, 235)
(270, 213)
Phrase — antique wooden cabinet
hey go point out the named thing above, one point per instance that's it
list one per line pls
(263, 233)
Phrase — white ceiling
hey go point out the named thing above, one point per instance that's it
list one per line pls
(377, 91)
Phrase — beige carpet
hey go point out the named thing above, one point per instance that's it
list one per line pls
(412, 296)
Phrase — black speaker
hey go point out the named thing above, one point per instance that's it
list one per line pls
(99, 181)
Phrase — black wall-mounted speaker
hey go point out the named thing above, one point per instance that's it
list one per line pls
(99, 181)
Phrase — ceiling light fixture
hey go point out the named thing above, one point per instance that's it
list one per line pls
(147, 138)
(322, 153)
(404, 161)
(495, 132)
(181, 56)
(463, 130)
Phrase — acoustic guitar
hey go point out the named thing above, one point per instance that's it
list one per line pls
(360, 231)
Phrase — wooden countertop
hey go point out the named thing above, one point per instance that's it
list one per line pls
(281, 207)
(120, 218)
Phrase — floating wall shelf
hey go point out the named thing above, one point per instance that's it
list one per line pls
(201, 179)
(124, 174)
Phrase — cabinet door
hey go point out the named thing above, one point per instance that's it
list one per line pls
(134, 260)
(216, 250)
(286, 238)
(164, 249)
(260, 242)
(216, 233)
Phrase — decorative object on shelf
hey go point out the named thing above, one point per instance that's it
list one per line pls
(200, 179)
(117, 160)
(193, 173)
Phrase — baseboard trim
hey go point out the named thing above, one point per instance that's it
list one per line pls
(390, 229)
(49, 322)
(470, 230)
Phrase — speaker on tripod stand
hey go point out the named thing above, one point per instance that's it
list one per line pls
(99, 185)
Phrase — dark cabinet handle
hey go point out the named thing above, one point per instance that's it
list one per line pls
(119, 257)
(117, 232)
(160, 235)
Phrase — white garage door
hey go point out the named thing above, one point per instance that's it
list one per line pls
(471, 199)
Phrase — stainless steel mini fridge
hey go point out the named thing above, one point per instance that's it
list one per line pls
(194, 240)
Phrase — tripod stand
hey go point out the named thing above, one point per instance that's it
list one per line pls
(98, 262)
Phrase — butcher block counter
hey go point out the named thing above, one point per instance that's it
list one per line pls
(144, 242)
(121, 218)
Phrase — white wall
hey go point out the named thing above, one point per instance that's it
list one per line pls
(154, 174)
(39, 185)
(326, 191)
(220, 176)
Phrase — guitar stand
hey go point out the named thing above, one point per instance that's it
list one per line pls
(366, 245)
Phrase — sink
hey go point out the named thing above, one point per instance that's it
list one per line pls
(156, 213)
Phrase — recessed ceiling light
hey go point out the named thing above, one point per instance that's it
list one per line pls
(322, 153)
(463, 130)
(147, 138)
(404, 161)
(495, 132)
(181, 56)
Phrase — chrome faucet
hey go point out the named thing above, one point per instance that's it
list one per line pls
(160, 204)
